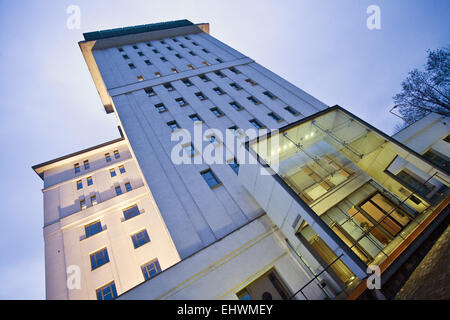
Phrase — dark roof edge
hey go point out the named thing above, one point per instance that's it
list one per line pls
(37, 166)
(103, 34)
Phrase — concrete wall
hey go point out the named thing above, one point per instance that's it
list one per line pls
(196, 217)
(66, 244)
(224, 268)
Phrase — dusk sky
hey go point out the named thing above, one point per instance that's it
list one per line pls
(49, 106)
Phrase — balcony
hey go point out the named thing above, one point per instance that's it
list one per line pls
(343, 190)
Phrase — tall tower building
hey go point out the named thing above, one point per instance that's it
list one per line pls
(300, 220)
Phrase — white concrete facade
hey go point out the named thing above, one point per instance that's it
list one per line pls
(67, 245)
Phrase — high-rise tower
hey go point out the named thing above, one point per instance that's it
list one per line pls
(336, 202)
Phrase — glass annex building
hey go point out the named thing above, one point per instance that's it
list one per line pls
(349, 194)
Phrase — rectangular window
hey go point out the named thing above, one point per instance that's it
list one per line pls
(147, 62)
(122, 169)
(93, 228)
(148, 44)
(195, 43)
(219, 60)
(173, 125)
(174, 70)
(86, 164)
(126, 57)
(204, 78)
(205, 63)
(169, 87)
(236, 106)
(99, 258)
(205, 51)
(219, 91)
(182, 46)
(76, 167)
(190, 66)
(157, 74)
(169, 48)
(275, 117)
(181, 102)
(438, 159)
(210, 178)
(235, 86)
(120, 50)
(83, 204)
(116, 154)
(192, 53)
(270, 95)
(195, 117)
(135, 47)
(131, 212)
(253, 83)
(107, 157)
(217, 112)
(187, 82)
(128, 187)
(155, 51)
(178, 56)
(163, 42)
(140, 238)
(150, 92)
(151, 269)
(163, 59)
(79, 184)
(112, 172)
(201, 96)
(256, 124)
(234, 165)
(292, 111)
(160, 107)
(94, 200)
(234, 70)
(132, 66)
(140, 54)
(89, 181)
(175, 40)
(107, 292)
(118, 190)
(220, 74)
(254, 100)
(140, 78)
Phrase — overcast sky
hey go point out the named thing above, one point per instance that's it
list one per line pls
(49, 106)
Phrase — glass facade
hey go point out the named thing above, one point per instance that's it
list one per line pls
(371, 191)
